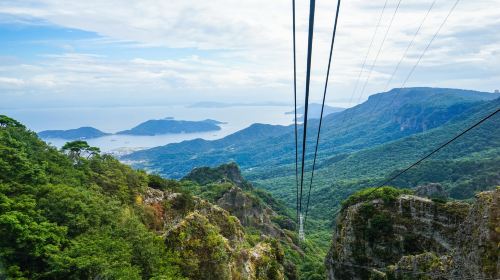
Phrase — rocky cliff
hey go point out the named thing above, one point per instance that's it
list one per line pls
(390, 234)
(211, 242)
(260, 215)
(254, 208)
(229, 172)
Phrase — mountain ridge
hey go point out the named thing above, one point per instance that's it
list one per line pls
(358, 135)
(366, 150)
(64, 216)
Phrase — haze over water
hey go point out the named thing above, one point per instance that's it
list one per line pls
(114, 119)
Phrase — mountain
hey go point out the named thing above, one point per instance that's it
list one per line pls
(314, 111)
(68, 217)
(258, 147)
(169, 125)
(359, 147)
(469, 165)
(63, 216)
(258, 212)
(198, 151)
(393, 234)
(85, 132)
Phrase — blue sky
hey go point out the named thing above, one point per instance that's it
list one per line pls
(141, 52)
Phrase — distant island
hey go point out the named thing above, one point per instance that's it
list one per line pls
(315, 111)
(169, 125)
(85, 132)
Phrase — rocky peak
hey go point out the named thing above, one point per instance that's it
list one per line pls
(213, 240)
(224, 173)
(253, 213)
(410, 235)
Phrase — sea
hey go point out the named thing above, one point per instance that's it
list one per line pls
(114, 119)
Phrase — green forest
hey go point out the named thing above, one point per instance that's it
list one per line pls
(77, 214)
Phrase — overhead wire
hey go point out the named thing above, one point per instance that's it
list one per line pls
(334, 32)
(361, 70)
(413, 67)
(306, 103)
(482, 120)
(374, 61)
(295, 111)
(425, 51)
(408, 47)
(380, 49)
(436, 150)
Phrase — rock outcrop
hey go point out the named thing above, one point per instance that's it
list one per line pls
(432, 190)
(242, 200)
(210, 241)
(224, 173)
(411, 237)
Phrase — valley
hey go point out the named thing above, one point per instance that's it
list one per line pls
(196, 213)
(359, 147)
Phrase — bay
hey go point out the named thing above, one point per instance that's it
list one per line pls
(114, 119)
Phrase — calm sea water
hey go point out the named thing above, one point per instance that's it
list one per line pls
(120, 118)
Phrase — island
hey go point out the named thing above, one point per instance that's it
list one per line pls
(85, 132)
(170, 125)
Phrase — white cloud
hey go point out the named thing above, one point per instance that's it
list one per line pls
(255, 39)
(6, 82)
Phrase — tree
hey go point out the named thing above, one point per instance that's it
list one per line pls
(77, 149)
(9, 122)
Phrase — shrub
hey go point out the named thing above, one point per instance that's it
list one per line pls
(387, 194)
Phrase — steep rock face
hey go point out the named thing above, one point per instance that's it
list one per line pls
(210, 241)
(478, 239)
(243, 201)
(432, 190)
(246, 208)
(224, 173)
(254, 214)
(412, 237)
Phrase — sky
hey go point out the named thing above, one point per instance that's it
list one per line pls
(60, 53)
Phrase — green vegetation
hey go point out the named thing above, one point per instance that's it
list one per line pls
(72, 134)
(200, 247)
(168, 125)
(229, 172)
(464, 168)
(72, 217)
(387, 194)
(360, 153)
(215, 183)
(77, 214)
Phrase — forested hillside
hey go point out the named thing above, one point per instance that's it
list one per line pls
(262, 148)
(470, 165)
(77, 214)
(359, 147)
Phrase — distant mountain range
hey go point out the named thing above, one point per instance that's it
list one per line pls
(359, 147)
(149, 128)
